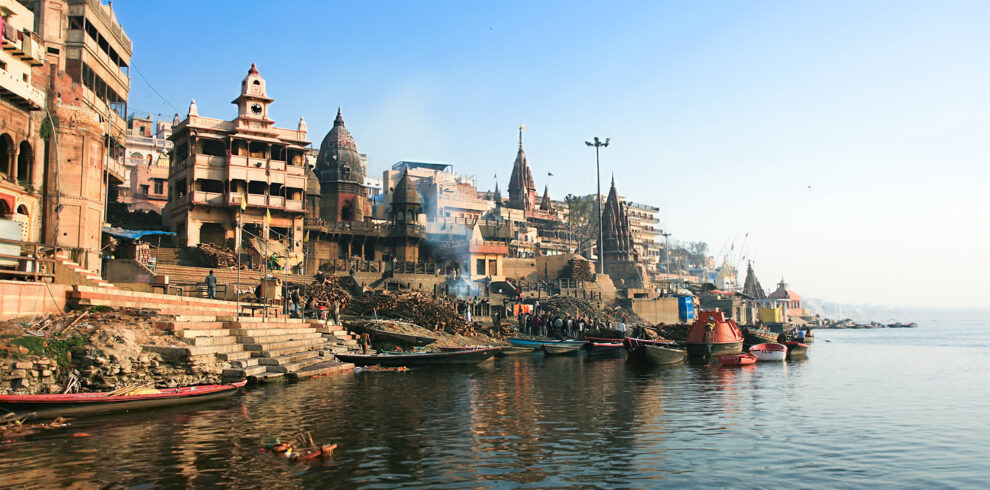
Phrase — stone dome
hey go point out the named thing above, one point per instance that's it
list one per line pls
(338, 158)
(405, 191)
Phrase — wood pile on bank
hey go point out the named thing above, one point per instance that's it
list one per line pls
(577, 269)
(214, 256)
(577, 307)
(327, 289)
(414, 307)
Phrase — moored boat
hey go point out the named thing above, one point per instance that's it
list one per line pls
(400, 338)
(561, 349)
(84, 403)
(737, 359)
(514, 351)
(713, 334)
(469, 356)
(603, 348)
(769, 352)
(796, 350)
(537, 343)
(657, 354)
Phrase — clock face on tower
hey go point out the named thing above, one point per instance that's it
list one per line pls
(256, 109)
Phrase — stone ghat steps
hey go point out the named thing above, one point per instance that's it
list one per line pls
(247, 279)
(84, 296)
(93, 279)
(262, 351)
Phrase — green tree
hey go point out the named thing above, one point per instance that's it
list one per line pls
(582, 220)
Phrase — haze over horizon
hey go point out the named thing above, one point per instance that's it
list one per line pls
(841, 146)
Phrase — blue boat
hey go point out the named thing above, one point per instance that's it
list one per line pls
(537, 343)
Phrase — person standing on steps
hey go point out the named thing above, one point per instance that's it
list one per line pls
(211, 285)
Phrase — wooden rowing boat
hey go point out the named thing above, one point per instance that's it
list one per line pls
(770, 351)
(796, 350)
(537, 343)
(657, 354)
(737, 360)
(400, 338)
(468, 356)
(514, 351)
(561, 349)
(603, 348)
(86, 403)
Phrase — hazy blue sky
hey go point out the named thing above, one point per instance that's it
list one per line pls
(848, 139)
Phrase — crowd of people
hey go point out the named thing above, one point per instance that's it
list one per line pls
(541, 324)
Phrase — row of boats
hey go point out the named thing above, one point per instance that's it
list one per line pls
(711, 337)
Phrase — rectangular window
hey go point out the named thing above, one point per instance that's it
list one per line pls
(53, 51)
(480, 267)
(144, 189)
(75, 22)
(492, 267)
(159, 186)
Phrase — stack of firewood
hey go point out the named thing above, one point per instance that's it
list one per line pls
(414, 307)
(577, 269)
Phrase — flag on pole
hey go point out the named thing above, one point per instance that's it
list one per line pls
(243, 200)
(306, 236)
(268, 217)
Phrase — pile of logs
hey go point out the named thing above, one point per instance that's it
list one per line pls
(414, 307)
(577, 269)
(214, 256)
(327, 289)
(576, 307)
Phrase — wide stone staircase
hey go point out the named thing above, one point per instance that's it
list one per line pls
(261, 350)
(70, 272)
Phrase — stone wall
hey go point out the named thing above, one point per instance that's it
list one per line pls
(659, 310)
(19, 298)
(515, 268)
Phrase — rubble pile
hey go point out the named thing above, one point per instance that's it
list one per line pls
(577, 269)
(414, 307)
(214, 256)
(97, 349)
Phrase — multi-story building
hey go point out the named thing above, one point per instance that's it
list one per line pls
(21, 117)
(644, 227)
(146, 187)
(87, 57)
(245, 169)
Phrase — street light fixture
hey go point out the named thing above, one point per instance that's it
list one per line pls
(666, 252)
(598, 174)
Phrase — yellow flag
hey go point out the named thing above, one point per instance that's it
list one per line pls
(243, 200)
(306, 236)
(268, 217)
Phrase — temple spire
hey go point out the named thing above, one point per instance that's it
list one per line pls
(521, 128)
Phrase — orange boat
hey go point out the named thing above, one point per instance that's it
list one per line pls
(713, 335)
(737, 359)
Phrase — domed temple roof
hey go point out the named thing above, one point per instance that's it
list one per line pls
(339, 155)
(405, 191)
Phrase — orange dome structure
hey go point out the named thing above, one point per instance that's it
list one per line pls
(713, 334)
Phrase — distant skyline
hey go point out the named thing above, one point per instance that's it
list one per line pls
(842, 146)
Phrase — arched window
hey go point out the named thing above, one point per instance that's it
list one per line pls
(6, 155)
(25, 162)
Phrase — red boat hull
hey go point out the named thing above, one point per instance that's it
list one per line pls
(737, 360)
(80, 403)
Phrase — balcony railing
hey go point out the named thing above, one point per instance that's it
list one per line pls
(212, 198)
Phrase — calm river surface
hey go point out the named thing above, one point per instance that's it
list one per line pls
(889, 408)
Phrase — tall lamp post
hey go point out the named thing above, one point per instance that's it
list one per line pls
(666, 252)
(598, 174)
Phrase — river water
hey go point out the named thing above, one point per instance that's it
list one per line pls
(893, 408)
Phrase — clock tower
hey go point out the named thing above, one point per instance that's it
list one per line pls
(252, 104)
